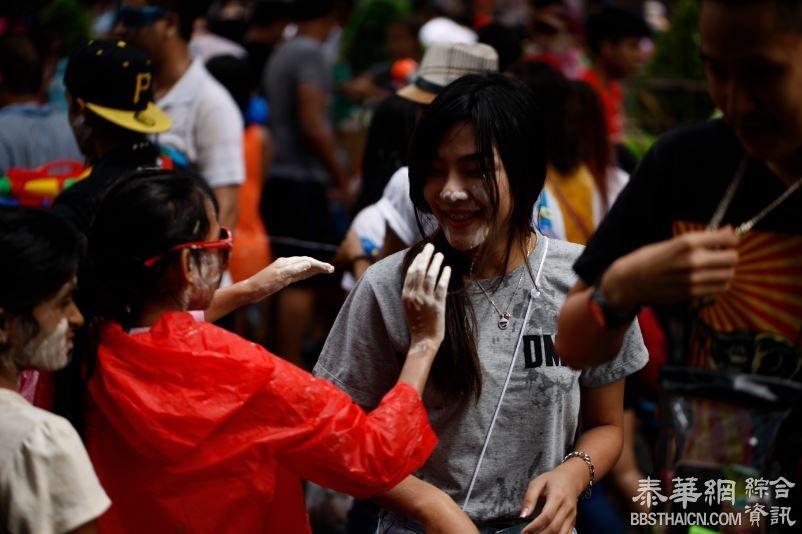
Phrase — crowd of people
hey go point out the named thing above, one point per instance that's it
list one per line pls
(259, 254)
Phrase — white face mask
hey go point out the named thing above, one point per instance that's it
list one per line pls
(81, 131)
(48, 353)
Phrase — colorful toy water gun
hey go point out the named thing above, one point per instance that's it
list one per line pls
(38, 187)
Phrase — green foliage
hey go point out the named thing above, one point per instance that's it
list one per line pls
(673, 91)
(639, 143)
(677, 54)
(363, 36)
(68, 22)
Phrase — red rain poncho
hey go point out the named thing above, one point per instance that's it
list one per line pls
(194, 429)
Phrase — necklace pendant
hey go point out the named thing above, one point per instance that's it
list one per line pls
(504, 321)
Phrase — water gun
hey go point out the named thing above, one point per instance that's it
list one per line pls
(38, 187)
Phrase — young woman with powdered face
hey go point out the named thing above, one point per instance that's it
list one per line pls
(193, 428)
(505, 408)
(46, 479)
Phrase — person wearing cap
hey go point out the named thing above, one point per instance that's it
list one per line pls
(442, 64)
(110, 96)
(207, 125)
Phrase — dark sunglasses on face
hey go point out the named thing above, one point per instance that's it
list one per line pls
(138, 16)
(225, 243)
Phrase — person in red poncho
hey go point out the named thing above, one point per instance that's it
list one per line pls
(194, 429)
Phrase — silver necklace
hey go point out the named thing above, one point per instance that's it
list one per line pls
(724, 205)
(504, 316)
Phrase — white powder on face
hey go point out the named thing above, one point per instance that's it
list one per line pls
(205, 281)
(48, 353)
(211, 270)
(481, 200)
(465, 243)
(479, 238)
(453, 196)
(479, 193)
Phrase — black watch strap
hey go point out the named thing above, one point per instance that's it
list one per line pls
(611, 317)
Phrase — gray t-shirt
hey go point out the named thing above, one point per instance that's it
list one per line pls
(538, 420)
(300, 60)
(32, 135)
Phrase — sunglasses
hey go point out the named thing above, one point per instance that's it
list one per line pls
(225, 243)
(136, 17)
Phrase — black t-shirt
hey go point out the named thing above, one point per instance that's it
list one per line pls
(78, 204)
(755, 326)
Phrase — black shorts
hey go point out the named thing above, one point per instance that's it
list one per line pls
(298, 219)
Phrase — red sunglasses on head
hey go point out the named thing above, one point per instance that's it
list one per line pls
(225, 243)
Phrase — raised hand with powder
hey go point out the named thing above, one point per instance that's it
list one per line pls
(477, 164)
(239, 418)
(283, 272)
(424, 296)
(271, 279)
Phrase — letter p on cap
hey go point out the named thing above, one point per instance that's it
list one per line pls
(143, 81)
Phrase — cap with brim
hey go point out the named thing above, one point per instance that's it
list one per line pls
(416, 94)
(445, 62)
(149, 120)
(116, 82)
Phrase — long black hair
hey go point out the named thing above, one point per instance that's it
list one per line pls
(505, 118)
(574, 117)
(141, 215)
(386, 147)
(40, 254)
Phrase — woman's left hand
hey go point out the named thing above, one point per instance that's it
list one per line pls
(283, 272)
(559, 489)
(424, 297)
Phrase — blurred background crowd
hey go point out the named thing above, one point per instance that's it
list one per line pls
(307, 115)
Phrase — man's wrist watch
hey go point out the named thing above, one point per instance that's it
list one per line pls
(605, 314)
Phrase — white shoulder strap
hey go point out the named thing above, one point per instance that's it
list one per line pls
(535, 292)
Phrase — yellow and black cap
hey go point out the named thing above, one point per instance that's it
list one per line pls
(116, 82)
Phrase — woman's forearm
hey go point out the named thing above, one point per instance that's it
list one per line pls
(417, 365)
(228, 299)
(420, 500)
(602, 421)
(603, 445)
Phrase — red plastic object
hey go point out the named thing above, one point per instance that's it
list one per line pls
(657, 344)
(195, 429)
(403, 69)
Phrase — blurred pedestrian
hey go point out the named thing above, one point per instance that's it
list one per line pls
(207, 126)
(31, 133)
